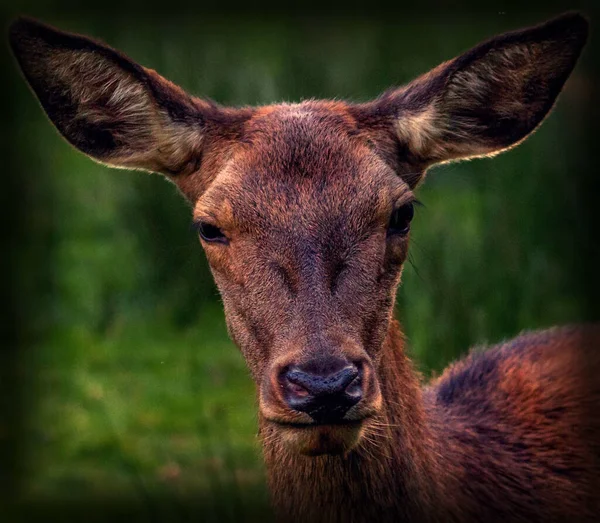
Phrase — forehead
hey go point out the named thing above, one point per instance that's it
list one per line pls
(302, 162)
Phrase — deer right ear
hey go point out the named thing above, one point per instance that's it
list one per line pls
(114, 110)
(486, 100)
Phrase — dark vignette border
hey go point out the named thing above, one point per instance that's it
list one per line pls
(20, 288)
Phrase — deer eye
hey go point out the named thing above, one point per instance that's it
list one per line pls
(400, 220)
(210, 233)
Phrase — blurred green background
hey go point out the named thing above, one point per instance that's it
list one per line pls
(132, 391)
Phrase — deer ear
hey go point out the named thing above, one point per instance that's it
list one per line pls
(114, 110)
(488, 99)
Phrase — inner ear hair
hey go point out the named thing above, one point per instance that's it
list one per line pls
(106, 105)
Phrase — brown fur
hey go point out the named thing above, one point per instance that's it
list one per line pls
(507, 434)
(307, 268)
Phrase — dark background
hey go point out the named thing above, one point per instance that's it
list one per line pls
(121, 394)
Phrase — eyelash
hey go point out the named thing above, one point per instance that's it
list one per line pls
(210, 233)
(400, 219)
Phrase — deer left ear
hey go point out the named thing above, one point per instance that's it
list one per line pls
(488, 99)
(108, 106)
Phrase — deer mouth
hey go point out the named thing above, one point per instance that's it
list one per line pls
(315, 439)
(300, 425)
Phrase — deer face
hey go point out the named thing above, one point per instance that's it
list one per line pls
(306, 228)
(303, 210)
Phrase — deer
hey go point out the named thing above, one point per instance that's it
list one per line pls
(304, 212)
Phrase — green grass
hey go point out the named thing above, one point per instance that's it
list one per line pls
(134, 391)
(144, 412)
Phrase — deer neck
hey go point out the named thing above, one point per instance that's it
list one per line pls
(388, 474)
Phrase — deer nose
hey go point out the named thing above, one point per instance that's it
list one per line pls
(325, 390)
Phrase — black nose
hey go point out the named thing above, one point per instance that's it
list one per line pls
(324, 389)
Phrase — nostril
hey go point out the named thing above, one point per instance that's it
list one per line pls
(297, 390)
(292, 389)
(355, 389)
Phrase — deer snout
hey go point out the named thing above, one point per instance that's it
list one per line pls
(324, 389)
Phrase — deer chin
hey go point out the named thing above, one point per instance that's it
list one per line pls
(317, 440)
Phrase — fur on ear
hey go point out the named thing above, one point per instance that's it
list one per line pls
(486, 100)
(112, 109)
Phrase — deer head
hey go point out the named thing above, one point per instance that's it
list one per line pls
(303, 210)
